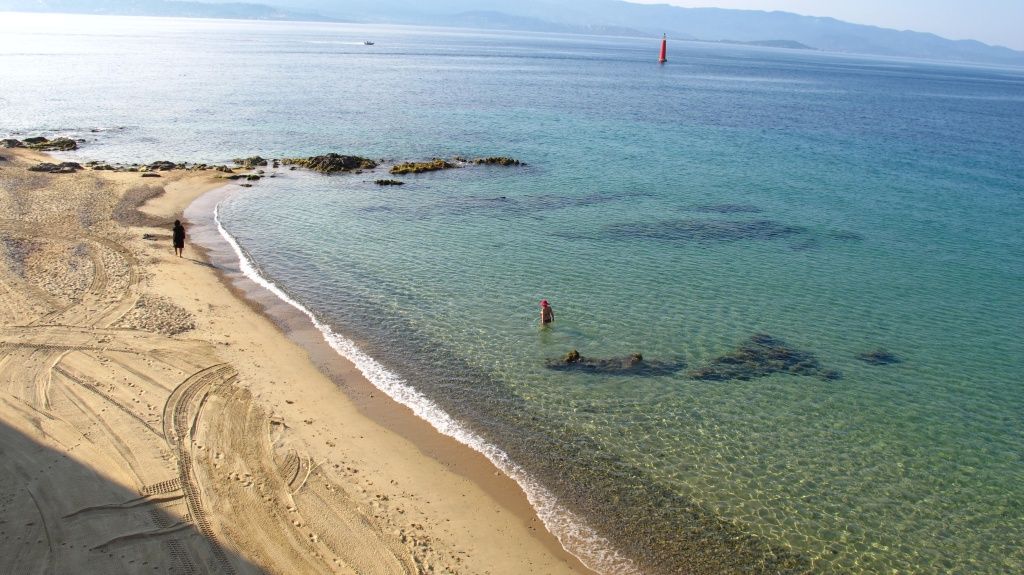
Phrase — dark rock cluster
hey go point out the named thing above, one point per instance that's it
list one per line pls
(420, 167)
(633, 364)
(879, 357)
(389, 182)
(759, 356)
(498, 161)
(42, 144)
(158, 166)
(331, 163)
(61, 168)
(251, 162)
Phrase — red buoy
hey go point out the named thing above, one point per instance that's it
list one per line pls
(664, 50)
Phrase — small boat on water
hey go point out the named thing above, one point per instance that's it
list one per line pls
(367, 43)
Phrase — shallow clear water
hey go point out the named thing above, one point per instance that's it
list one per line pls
(839, 204)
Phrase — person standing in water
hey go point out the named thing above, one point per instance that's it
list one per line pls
(547, 314)
(179, 238)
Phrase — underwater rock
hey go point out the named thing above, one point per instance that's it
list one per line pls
(705, 230)
(846, 236)
(56, 145)
(61, 168)
(389, 182)
(727, 209)
(759, 356)
(633, 364)
(11, 143)
(250, 162)
(331, 163)
(151, 175)
(879, 357)
(420, 167)
(253, 177)
(498, 161)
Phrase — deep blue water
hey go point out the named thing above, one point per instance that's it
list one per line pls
(838, 204)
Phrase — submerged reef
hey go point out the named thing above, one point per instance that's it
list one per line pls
(331, 163)
(420, 167)
(704, 230)
(633, 364)
(879, 357)
(759, 356)
(727, 209)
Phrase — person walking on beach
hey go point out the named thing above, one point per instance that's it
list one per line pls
(547, 314)
(179, 238)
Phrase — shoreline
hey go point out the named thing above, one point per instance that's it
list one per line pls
(259, 460)
(297, 324)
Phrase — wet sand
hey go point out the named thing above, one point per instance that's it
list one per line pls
(160, 414)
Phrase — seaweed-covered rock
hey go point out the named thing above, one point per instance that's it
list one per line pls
(253, 177)
(151, 175)
(759, 356)
(34, 141)
(389, 182)
(420, 167)
(331, 163)
(55, 145)
(11, 143)
(224, 169)
(61, 168)
(498, 161)
(879, 357)
(251, 162)
(633, 364)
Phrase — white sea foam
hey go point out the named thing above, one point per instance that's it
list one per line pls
(595, 551)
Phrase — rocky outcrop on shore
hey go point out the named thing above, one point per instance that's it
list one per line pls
(41, 144)
(332, 163)
(61, 168)
(251, 163)
(325, 164)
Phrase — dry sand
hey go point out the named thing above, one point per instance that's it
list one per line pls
(153, 421)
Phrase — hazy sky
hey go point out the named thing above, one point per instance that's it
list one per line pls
(998, 22)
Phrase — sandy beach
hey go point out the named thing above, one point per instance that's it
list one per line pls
(154, 419)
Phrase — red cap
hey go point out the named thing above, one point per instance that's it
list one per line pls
(544, 303)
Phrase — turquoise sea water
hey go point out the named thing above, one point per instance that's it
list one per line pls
(838, 204)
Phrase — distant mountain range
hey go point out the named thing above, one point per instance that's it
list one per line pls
(606, 17)
(239, 10)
